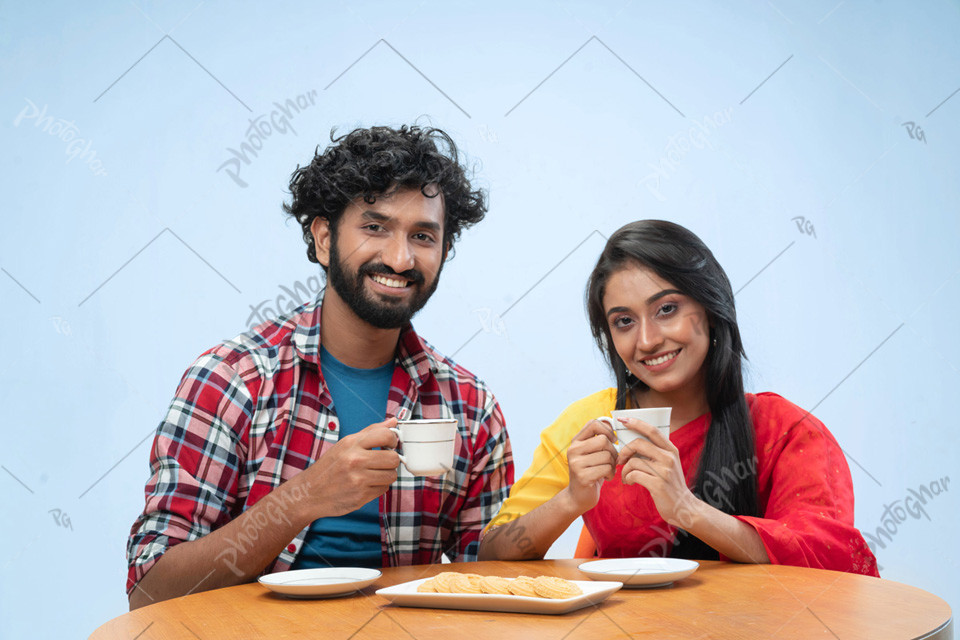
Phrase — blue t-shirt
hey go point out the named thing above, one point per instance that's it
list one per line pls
(351, 540)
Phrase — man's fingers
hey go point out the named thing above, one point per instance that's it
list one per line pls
(381, 478)
(379, 435)
(383, 459)
(385, 424)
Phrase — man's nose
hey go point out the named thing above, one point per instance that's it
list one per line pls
(398, 255)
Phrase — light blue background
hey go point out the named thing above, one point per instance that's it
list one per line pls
(113, 283)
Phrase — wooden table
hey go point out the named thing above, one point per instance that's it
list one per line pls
(720, 600)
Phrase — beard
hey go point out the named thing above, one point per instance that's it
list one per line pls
(380, 310)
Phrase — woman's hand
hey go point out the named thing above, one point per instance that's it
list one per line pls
(654, 463)
(591, 458)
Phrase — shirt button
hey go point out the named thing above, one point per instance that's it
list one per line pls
(291, 548)
(333, 426)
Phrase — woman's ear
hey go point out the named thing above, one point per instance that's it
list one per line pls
(320, 230)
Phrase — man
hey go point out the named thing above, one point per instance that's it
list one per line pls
(276, 452)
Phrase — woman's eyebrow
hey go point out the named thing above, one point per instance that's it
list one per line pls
(661, 294)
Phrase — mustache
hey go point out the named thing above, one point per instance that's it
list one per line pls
(379, 268)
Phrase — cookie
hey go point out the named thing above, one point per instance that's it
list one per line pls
(465, 583)
(522, 586)
(430, 586)
(495, 584)
(441, 581)
(555, 588)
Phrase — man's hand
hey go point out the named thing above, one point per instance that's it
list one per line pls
(353, 471)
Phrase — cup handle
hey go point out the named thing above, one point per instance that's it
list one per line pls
(607, 419)
(399, 441)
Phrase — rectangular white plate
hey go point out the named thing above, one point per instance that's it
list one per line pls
(405, 595)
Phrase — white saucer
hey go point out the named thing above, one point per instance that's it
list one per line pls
(320, 583)
(640, 572)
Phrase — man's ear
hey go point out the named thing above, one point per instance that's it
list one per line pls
(320, 230)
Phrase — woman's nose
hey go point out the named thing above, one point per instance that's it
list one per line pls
(648, 336)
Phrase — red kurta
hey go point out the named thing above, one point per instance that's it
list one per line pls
(805, 495)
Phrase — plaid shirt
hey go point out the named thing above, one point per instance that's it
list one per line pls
(253, 412)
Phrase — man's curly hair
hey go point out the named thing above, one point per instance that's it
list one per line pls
(373, 162)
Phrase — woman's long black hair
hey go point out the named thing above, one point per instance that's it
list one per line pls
(726, 478)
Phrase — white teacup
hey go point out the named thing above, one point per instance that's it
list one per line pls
(659, 417)
(427, 445)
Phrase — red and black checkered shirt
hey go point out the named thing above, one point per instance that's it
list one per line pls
(253, 412)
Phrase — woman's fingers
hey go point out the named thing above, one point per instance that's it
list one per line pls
(591, 444)
(597, 451)
(637, 476)
(648, 431)
(643, 449)
(598, 463)
(594, 428)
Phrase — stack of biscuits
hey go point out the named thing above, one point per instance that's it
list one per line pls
(539, 587)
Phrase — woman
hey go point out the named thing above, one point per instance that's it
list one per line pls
(749, 478)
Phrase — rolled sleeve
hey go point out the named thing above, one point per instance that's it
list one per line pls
(196, 463)
(491, 479)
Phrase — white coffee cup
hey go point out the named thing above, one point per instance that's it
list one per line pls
(659, 417)
(427, 445)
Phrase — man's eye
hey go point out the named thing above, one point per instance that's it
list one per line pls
(423, 237)
(373, 227)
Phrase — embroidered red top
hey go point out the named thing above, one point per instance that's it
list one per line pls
(804, 487)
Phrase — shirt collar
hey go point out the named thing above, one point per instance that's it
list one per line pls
(414, 355)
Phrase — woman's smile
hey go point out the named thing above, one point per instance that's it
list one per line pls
(661, 361)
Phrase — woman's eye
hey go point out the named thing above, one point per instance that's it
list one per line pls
(667, 308)
(621, 322)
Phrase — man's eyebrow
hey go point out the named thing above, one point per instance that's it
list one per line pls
(376, 216)
(426, 224)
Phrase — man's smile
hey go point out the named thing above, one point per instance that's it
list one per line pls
(393, 283)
